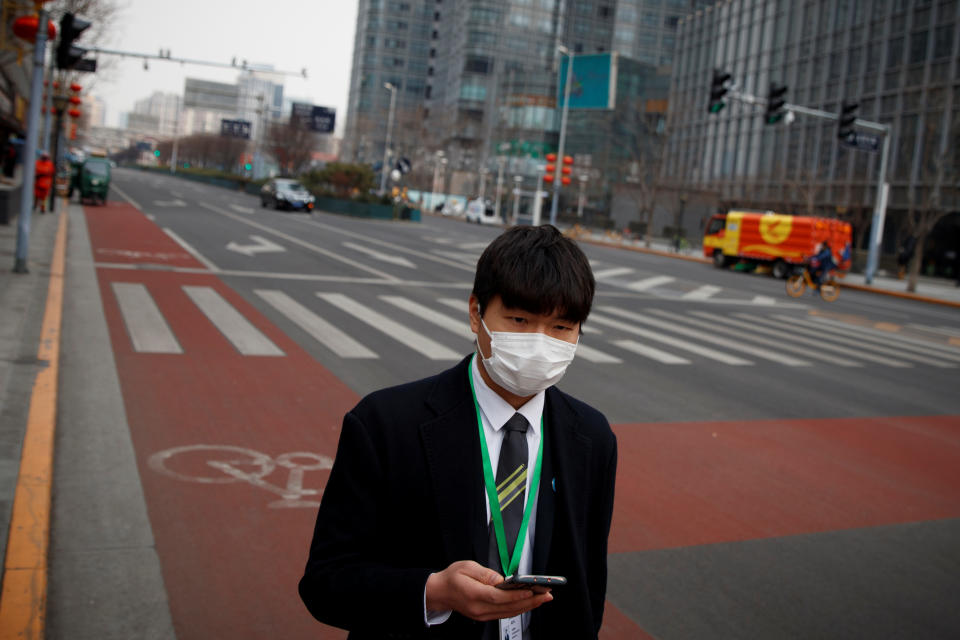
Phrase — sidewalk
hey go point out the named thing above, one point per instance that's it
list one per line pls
(930, 290)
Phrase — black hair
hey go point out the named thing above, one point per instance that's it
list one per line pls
(538, 270)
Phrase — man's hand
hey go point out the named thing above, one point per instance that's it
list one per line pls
(467, 588)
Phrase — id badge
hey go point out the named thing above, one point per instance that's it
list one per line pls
(511, 628)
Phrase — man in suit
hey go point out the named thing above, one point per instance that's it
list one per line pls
(443, 486)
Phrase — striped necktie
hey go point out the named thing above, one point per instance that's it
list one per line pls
(511, 485)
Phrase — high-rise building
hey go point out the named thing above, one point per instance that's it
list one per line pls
(477, 79)
(162, 108)
(897, 59)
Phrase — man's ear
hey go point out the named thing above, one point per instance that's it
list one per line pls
(473, 310)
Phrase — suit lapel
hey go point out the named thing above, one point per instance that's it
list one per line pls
(451, 443)
(564, 467)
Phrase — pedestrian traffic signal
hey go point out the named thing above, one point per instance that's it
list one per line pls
(156, 153)
(775, 102)
(718, 89)
(848, 115)
(68, 54)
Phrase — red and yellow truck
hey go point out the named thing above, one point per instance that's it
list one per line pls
(774, 239)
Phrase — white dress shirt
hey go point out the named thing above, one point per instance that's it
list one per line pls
(494, 413)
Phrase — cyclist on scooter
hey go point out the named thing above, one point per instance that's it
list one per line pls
(822, 263)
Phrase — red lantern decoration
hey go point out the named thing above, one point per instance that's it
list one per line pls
(550, 168)
(565, 180)
(74, 113)
(567, 160)
(75, 87)
(25, 28)
(73, 132)
(75, 100)
(548, 178)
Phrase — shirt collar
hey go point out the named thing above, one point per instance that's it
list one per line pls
(497, 411)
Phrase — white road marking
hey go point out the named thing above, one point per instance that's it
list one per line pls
(241, 208)
(246, 338)
(148, 329)
(745, 332)
(151, 217)
(260, 245)
(706, 352)
(765, 300)
(170, 203)
(707, 337)
(467, 246)
(595, 355)
(322, 331)
(885, 337)
(457, 327)
(817, 339)
(420, 343)
(612, 272)
(702, 293)
(650, 352)
(301, 243)
(465, 258)
(890, 347)
(649, 283)
(189, 249)
(125, 196)
(379, 255)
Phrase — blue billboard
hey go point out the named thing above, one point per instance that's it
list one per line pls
(594, 81)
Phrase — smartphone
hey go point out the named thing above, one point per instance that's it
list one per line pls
(531, 582)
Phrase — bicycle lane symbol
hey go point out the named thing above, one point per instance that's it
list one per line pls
(223, 464)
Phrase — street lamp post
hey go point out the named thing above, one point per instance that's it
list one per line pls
(386, 146)
(583, 183)
(563, 131)
(518, 180)
(483, 181)
(501, 161)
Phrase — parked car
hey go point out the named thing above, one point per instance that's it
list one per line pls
(481, 212)
(285, 193)
(452, 208)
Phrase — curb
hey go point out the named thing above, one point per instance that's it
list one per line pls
(655, 252)
(23, 599)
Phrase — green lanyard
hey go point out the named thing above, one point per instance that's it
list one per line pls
(509, 565)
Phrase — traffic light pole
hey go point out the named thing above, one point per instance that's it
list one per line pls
(883, 188)
(30, 148)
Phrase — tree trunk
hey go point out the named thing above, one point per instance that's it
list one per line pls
(648, 232)
(916, 262)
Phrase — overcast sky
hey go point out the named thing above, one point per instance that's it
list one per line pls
(288, 34)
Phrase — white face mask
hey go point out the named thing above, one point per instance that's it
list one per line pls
(526, 363)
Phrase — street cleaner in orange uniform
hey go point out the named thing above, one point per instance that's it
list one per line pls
(43, 181)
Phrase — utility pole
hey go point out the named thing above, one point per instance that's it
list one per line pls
(501, 161)
(386, 146)
(554, 204)
(30, 147)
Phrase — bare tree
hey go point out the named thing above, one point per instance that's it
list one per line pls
(644, 136)
(291, 146)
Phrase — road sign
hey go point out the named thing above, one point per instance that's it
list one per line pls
(861, 141)
(235, 128)
(313, 117)
(403, 165)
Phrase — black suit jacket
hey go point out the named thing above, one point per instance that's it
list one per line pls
(405, 499)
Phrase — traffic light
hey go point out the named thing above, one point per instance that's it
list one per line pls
(848, 115)
(156, 153)
(718, 89)
(68, 54)
(775, 102)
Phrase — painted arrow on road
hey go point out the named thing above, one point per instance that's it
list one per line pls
(170, 203)
(261, 245)
(384, 257)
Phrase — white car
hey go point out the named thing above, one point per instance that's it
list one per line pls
(481, 212)
(452, 208)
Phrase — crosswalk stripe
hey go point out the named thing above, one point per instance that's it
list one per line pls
(461, 329)
(764, 300)
(903, 352)
(706, 352)
(816, 338)
(706, 337)
(649, 283)
(612, 272)
(744, 332)
(318, 328)
(872, 335)
(594, 355)
(148, 329)
(701, 293)
(245, 337)
(418, 342)
(650, 352)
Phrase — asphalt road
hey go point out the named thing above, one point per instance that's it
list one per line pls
(788, 468)
(717, 345)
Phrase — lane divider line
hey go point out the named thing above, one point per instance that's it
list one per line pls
(23, 599)
(126, 197)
